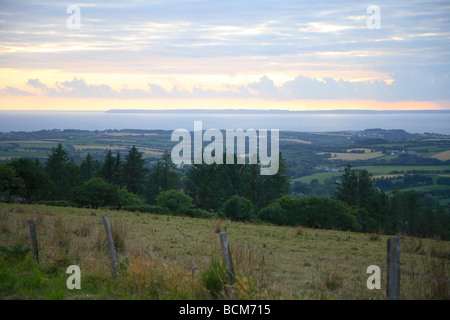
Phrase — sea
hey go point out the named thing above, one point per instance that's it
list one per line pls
(420, 122)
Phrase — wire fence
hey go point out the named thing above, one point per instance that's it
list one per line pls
(45, 240)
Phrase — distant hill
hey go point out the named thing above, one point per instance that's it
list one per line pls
(276, 111)
(392, 134)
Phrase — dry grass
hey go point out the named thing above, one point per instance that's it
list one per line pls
(443, 156)
(119, 134)
(353, 156)
(81, 147)
(387, 176)
(297, 140)
(165, 258)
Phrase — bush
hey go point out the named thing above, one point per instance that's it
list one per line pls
(176, 201)
(273, 213)
(95, 193)
(126, 198)
(238, 208)
(319, 212)
(367, 223)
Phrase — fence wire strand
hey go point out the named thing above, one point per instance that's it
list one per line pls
(190, 264)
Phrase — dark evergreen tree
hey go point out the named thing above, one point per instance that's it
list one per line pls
(63, 172)
(10, 182)
(117, 174)
(211, 185)
(108, 168)
(36, 181)
(347, 190)
(162, 177)
(88, 168)
(134, 172)
(56, 164)
(203, 185)
(411, 209)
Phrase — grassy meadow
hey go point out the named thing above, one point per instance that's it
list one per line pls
(174, 257)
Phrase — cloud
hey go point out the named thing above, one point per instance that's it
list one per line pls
(35, 83)
(78, 88)
(11, 91)
(419, 84)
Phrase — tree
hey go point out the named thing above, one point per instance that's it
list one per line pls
(411, 209)
(62, 171)
(319, 212)
(162, 177)
(134, 172)
(88, 168)
(96, 193)
(117, 173)
(273, 213)
(10, 182)
(35, 180)
(394, 222)
(347, 190)
(211, 185)
(273, 186)
(107, 169)
(202, 183)
(56, 163)
(238, 208)
(176, 201)
(125, 198)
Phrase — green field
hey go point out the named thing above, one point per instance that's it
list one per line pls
(374, 170)
(320, 176)
(171, 257)
(388, 169)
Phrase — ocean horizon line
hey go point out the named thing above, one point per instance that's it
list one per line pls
(251, 111)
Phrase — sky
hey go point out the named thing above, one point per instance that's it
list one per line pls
(170, 54)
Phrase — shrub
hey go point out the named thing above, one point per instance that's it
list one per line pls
(319, 212)
(126, 198)
(238, 208)
(95, 193)
(367, 223)
(176, 201)
(273, 213)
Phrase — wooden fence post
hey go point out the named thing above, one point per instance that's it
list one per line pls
(393, 276)
(112, 249)
(226, 255)
(32, 228)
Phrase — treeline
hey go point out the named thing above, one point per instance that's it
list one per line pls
(238, 192)
(128, 181)
(407, 181)
(396, 212)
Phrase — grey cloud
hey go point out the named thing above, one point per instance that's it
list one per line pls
(35, 83)
(409, 84)
(11, 91)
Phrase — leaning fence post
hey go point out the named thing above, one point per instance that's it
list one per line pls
(226, 255)
(393, 276)
(32, 228)
(112, 249)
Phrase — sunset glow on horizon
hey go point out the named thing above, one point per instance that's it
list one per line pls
(207, 55)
